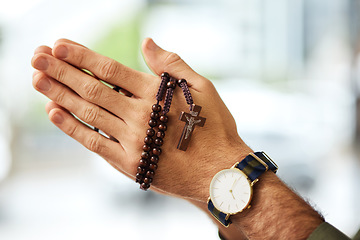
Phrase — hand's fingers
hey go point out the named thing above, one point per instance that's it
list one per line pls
(51, 105)
(43, 49)
(160, 61)
(86, 86)
(88, 112)
(95, 142)
(64, 40)
(103, 67)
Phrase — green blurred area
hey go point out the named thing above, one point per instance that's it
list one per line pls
(122, 42)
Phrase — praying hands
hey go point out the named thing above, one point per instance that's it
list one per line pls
(79, 82)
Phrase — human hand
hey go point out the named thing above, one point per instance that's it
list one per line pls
(214, 147)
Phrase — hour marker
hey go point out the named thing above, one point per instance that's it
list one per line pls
(221, 203)
(218, 180)
(237, 206)
(229, 208)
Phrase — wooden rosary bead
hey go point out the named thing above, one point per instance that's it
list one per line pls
(150, 174)
(159, 141)
(150, 132)
(146, 148)
(181, 81)
(156, 151)
(148, 180)
(162, 127)
(154, 115)
(141, 170)
(138, 177)
(164, 119)
(153, 167)
(152, 123)
(154, 159)
(145, 186)
(148, 140)
(143, 162)
(165, 74)
(160, 134)
(145, 155)
(171, 84)
(156, 108)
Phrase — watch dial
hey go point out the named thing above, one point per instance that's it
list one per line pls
(230, 191)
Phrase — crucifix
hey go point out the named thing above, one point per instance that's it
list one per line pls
(191, 120)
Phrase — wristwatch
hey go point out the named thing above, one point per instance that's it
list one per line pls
(231, 190)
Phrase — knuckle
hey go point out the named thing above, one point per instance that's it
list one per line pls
(91, 114)
(171, 59)
(72, 130)
(92, 90)
(61, 73)
(206, 84)
(108, 69)
(94, 143)
(80, 56)
(60, 97)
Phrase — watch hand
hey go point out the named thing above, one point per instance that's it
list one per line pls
(234, 184)
(232, 194)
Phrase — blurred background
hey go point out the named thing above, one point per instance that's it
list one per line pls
(289, 72)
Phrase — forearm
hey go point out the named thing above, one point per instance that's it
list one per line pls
(276, 212)
(229, 233)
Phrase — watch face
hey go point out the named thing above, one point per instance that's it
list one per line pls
(230, 191)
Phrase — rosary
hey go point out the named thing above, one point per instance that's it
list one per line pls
(158, 120)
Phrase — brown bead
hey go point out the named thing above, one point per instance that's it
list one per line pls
(140, 170)
(181, 81)
(171, 84)
(148, 140)
(156, 108)
(152, 166)
(154, 115)
(143, 162)
(150, 132)
(144, 186)
(165, 74)
(160, 134)
(154, 159)
(159, 141)
(139, 177)
(148, 180)
(145, 155)
(152, 123)
(162, 127)
(150, 174)
(164, 119)
(146, 148)
(156, 151)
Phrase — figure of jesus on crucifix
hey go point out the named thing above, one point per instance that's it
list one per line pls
(192, 119)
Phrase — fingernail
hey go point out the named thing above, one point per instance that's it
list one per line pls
(61, 52)
(41, 63)
(152, 45)
(57, 118)
(43, 84)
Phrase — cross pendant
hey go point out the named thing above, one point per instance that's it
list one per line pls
(191, 120)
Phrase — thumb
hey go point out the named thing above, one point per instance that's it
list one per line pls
(160, 61)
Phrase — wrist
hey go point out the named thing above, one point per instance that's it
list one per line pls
(222, 160)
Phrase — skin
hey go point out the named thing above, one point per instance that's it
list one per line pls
(124, 117)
